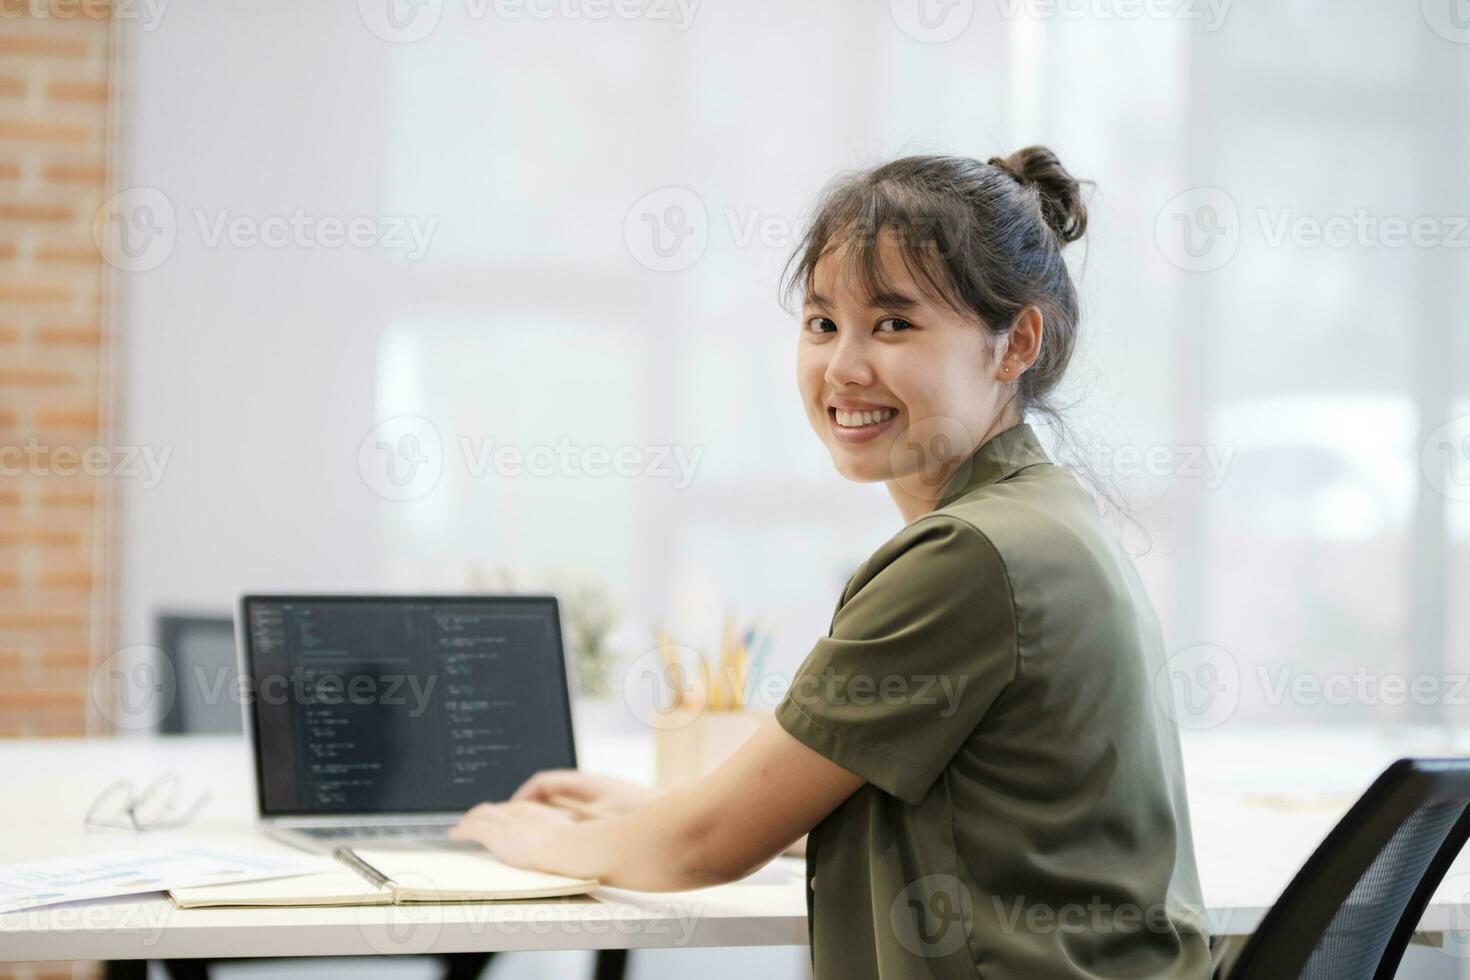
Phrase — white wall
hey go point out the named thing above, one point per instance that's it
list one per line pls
(261, 370)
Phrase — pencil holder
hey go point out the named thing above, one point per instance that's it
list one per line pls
(707, 737)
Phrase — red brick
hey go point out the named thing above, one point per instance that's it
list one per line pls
(20, 291)
(69, 496)
(43, 46)
(17, 627)
(78, 12)
(41, 699)
(83, 417)
(74, 173)
(28, 211)
(44, 131)
(36, 536)
(35, 377)
(73, 91)
(85, 254)
(76, 578)
(69, 335)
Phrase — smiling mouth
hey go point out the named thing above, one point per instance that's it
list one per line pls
(861, 428)
(860, 420)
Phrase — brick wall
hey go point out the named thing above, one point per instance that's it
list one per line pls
(55, 57)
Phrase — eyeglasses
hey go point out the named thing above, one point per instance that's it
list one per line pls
(155, 807)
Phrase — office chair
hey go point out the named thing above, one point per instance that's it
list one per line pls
(1351, 910)
(198, 690)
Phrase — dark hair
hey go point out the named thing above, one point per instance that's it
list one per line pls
(984, 238)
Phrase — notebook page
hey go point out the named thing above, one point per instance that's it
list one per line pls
(465, 872)
(345, 887)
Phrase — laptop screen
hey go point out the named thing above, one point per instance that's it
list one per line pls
(376, 704)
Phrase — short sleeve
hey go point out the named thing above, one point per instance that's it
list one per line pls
(920, 649)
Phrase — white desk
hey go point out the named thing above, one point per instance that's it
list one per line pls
(48, 785)
(1251, 832)
(1261, 801)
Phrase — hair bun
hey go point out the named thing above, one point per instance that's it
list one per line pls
(1059, 193)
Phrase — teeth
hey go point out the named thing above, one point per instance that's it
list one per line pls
(854, 419)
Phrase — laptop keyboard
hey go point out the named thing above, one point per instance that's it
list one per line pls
(385, 830)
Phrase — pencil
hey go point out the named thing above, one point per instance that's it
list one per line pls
(753, 679)
(673, 673)
(742, 661)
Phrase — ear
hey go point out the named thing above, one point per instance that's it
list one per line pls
(1023, 344)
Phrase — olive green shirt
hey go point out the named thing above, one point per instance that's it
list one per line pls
(989, 673)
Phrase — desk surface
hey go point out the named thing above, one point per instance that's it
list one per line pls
(49, 783)
(1251, 834)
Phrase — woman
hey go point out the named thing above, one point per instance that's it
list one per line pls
(974, 749)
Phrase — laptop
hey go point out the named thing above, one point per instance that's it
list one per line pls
(382, 719)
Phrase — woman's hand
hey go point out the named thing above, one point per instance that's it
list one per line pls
(718, 828)
(522, 831)
(519, 832)
(582, 794)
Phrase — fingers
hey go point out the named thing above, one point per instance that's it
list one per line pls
(481, 811)
(580, 808)
(476, 831)
(492, 812)
(538, 810)
(549, 781)
(509, 810)
(480, 825)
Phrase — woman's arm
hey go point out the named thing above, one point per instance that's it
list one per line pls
(717, 829)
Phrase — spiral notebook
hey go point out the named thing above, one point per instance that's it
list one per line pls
(391, 877)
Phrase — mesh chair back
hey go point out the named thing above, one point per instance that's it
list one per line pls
(1351, 910)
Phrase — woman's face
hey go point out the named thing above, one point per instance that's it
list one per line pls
(898, 387)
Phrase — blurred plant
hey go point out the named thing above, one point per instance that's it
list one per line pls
(589, 618)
